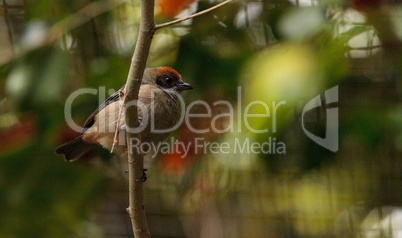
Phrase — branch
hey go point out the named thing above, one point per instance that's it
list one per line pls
(192, 16)
(136, 208)
(80, 17)
(67, 24)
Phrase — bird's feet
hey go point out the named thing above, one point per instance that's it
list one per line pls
(144, 176)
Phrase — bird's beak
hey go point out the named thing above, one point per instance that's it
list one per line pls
(184, 86)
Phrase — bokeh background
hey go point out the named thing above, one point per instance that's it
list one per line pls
(275, 50)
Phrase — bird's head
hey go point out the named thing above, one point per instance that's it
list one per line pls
(165, 78)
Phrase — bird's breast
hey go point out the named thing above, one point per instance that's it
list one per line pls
(163, 118)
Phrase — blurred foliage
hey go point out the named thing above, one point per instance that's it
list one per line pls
(288, 51)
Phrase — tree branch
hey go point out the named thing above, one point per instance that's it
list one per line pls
(192, 16)
(80, 17)
(136, 207)
(67, 24)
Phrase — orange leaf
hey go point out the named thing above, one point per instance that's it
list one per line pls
(170, 8)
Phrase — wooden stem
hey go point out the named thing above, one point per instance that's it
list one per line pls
(136, 207)
(192, 16)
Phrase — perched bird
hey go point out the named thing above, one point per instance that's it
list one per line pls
(158, 110)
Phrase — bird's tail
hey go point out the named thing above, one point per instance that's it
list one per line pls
(74, 149)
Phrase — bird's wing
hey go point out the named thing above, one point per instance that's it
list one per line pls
(113, 98)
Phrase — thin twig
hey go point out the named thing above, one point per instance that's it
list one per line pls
(192, 16)
(80, 17)
(67, 24)
(9, 26)
(121, 100)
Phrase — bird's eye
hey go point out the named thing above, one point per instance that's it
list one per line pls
(168, 81)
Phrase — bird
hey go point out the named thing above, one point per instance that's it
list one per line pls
(158, 100)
